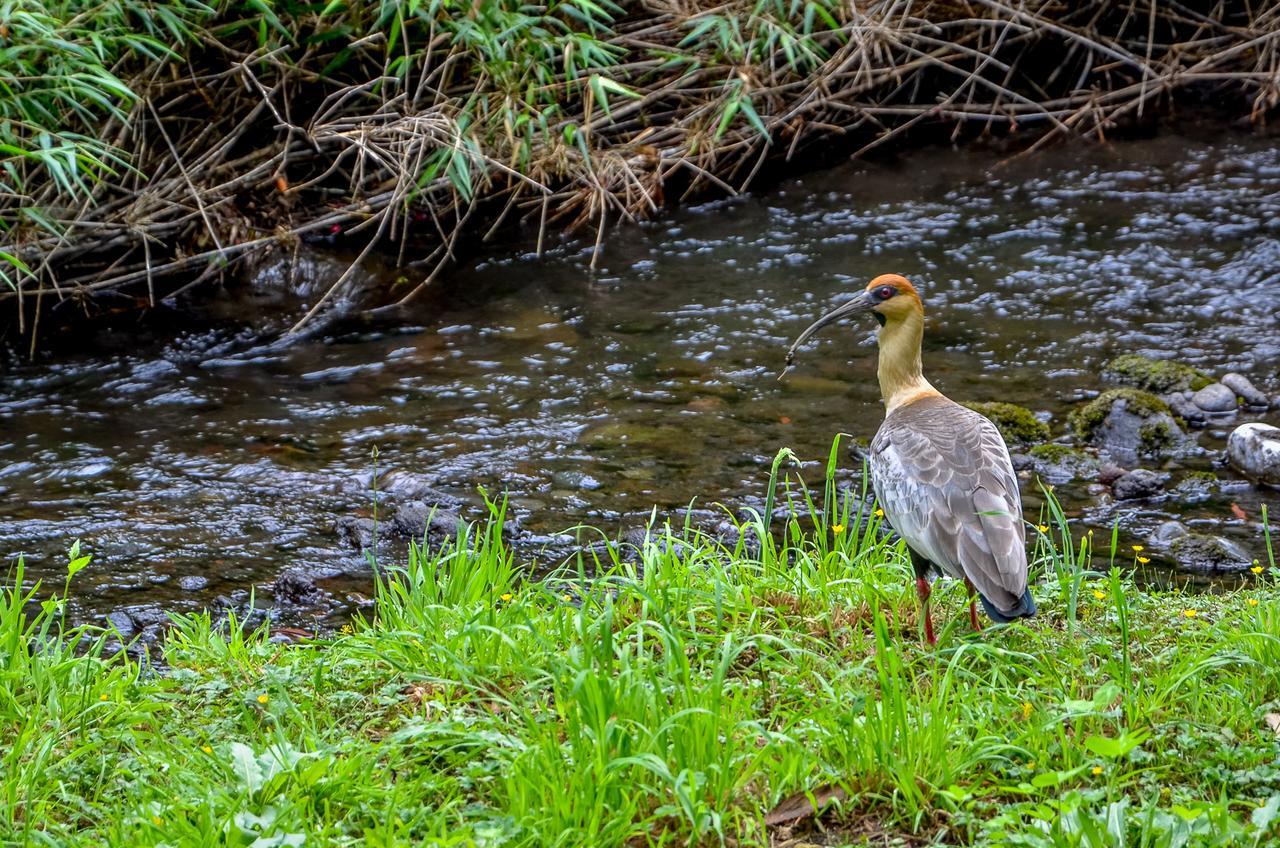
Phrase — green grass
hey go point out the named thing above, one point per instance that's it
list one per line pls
(673, 700)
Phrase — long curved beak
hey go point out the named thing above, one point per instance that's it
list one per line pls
(856, 305)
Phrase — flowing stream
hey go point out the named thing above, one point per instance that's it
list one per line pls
(198, 466)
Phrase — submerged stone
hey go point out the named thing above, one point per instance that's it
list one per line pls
(1154, 375)
(1017, 424)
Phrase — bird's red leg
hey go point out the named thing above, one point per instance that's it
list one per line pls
(922, 589)
(973, 606)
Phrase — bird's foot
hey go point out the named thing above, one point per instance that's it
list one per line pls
(922, 589)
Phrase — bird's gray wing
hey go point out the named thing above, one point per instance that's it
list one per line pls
(945, 481)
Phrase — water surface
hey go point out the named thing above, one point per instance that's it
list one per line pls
(589, 397)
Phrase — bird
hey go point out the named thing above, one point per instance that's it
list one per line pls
(941, 472)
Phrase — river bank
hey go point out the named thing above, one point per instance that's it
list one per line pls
(702, 695)
(149, 148)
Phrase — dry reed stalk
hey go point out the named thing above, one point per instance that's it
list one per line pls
(244, 148)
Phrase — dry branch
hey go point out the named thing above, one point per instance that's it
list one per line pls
(239, 148)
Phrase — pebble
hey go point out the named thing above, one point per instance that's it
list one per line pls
(192, 583)
(1139, 483)
(1245, 390)
(1167, 532)
(1182, 407)
(1215, 397)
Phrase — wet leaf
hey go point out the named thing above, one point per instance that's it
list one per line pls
(1273, 722)
(1265, 815)
(803, 805)
(1238, 512)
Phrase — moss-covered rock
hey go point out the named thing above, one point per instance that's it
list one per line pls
(1196, 486)
(1155, 375)
(1017, 424)
(1088, 418)
(1127, 423)
(1057, 463)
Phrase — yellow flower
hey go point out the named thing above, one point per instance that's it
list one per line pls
(837, 529)
(1253, 602)
(879, 513)
(1097, 769)
(262, 699)
(1137, 549)
(566, 597)
(346, 628)
(1090, 533)
(1100, 595)
(1257, 569)
(1043, 528)
(1026, 712)
(104, 697)
(157, 821)
(1144, 560)
(507, 596)
(1190, 613)
(206, 749)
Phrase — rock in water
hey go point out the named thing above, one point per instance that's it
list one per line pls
(1062, 464)
(1154, 375)
(1245, 390)
(1253, 449)
(1205, 554)
(1139, 483)
(1167, 533)
(1215, 397)
(1180, 403)
(296, 589)
(418, 520)
(1127, 423)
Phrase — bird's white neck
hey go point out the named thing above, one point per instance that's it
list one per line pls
(901, 378)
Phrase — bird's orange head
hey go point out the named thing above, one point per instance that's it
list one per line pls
(889, 297)
(892, 297)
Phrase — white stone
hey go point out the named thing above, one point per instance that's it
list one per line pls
(1254, 450)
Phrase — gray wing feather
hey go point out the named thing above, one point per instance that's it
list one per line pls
(944, 479)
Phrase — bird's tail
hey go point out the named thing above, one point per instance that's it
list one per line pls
(1024, 608)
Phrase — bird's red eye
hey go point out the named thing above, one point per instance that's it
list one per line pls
(885, 292)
